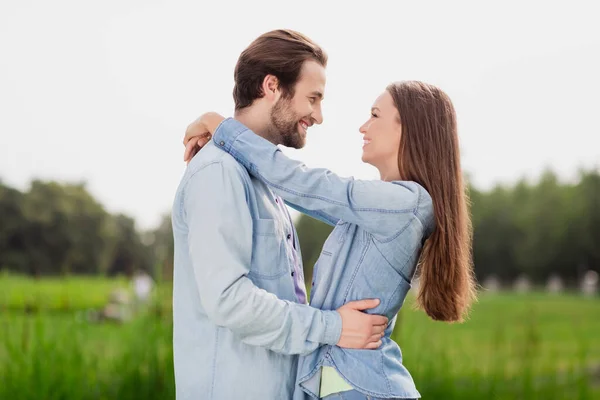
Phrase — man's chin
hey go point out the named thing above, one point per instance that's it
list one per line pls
(300, 145)
(295, 141)
(297, 145)
(301, 142)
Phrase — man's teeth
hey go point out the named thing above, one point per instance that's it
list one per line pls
(303, 125)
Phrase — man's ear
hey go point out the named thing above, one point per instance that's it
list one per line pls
(270, 88)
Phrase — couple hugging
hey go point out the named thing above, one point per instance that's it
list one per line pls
(243, 327)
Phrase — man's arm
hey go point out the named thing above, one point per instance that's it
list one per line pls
(220, 243)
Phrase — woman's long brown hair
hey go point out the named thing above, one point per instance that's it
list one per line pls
(430, 155)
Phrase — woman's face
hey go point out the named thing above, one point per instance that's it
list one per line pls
(382, 135)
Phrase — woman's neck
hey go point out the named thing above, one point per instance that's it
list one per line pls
(389, 173)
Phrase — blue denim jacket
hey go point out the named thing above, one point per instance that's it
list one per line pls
(380, 228)
(238, 325)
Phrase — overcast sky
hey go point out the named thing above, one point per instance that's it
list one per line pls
(103, 91)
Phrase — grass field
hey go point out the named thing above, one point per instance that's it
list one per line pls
(529, 346)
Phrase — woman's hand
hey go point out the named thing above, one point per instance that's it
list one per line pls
(199, 133)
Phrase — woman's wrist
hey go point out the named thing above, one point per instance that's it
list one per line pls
(212, 121)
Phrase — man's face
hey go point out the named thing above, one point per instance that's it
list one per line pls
(291, 117)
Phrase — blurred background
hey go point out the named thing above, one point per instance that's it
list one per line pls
(95, 98)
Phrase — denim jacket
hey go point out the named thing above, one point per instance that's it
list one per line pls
(238, 321)
(372, 252)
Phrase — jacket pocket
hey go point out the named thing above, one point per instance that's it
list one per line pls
(268, 261)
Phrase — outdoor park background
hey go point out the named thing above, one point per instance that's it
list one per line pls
(95, 100)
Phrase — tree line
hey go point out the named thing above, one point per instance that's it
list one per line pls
(537, 229)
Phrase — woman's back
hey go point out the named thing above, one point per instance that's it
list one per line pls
(356, 264)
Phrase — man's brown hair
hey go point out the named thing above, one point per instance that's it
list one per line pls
(280, 53)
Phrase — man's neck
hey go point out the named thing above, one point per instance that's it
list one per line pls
(257, 121)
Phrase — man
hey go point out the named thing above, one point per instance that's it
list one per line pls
(239, 303)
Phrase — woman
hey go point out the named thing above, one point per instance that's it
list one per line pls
(415, 216)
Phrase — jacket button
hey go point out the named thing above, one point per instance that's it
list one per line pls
(289, 236)
(222, 143)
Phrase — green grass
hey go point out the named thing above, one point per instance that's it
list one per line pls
(65, 357)
(513, 346)
(56, 294)
(68, 294)
(532, 346)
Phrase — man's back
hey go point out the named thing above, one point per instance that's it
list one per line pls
(232, 338)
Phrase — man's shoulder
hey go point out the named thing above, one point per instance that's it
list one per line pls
(212, 169)
(212, 155)
(211, 158)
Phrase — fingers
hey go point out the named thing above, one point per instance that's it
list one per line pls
(189, 133)
(374, 339)
(195, 129)
(363, 304)
(189, 149)
(373, 345)
(194, 152)
(378, 329)
(194, 145)
(379, 320)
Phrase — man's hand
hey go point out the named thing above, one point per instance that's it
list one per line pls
(361, 330)
(198, 133)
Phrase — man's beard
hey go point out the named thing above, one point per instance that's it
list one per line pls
(285, 124)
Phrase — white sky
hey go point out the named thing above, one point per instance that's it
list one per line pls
(102, 91)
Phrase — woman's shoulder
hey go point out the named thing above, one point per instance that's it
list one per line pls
(423, 202)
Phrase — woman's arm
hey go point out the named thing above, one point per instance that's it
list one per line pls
(382, 208)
